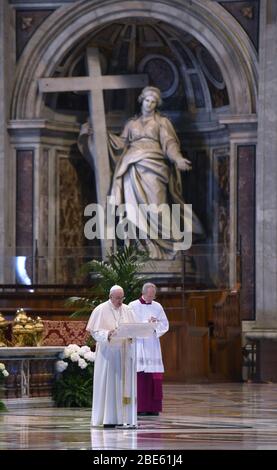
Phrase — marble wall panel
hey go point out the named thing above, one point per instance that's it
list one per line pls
(43, 215)
(221, 213)
(76, 189)
(246, 228)
(24, 206)
(70, 227)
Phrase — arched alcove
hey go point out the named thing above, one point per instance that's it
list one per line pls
(191, 83)
(209, 23)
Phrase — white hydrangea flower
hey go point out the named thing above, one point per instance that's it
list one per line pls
(82, 363)
(74, 357)
(89, 356)
(74, 348)
(84, 350)
(2, 366)
(5, 373)
(61, 366)
(66, 353)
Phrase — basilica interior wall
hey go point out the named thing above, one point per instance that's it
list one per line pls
(196, 94)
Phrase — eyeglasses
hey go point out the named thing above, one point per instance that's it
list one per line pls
(119, 298)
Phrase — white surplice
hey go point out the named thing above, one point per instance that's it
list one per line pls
(149, 355)
(112, 368)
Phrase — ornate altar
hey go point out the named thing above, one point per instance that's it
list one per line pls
(31, 370)
(30, 347)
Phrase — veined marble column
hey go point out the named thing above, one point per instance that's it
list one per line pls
(264, 329)
(266, 195)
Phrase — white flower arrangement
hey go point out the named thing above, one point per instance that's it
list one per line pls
(73, 384)
(3, 374)
(74, 353)
(3, 370)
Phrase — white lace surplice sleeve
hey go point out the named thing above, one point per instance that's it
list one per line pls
(162, 323)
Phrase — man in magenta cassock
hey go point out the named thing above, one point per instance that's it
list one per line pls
(149, 357)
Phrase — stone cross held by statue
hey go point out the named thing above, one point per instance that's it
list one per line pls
(95, 84)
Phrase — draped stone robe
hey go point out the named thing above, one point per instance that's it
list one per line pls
(146, 173)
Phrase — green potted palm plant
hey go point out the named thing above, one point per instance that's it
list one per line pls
(123, 268)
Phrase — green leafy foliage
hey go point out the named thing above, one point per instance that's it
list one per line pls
(123, 268)
(2, 406)
(73, 388)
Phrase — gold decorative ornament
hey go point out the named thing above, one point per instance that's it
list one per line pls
(21, 316)
(26, 331)
(38, 329)
(3, 326)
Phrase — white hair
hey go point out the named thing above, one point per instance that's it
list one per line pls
(114, 288)
(146, 286)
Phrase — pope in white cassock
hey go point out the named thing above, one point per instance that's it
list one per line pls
(111, 404)
(150, 366)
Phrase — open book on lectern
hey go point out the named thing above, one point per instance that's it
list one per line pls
(134, 330)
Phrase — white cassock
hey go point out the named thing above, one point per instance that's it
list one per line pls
(112, 368)
(149, 355)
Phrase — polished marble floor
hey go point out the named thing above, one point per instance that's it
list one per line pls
(203, 416)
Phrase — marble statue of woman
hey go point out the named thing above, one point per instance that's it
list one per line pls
(147, 173)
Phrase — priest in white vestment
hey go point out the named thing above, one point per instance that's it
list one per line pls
(150, 366)
(111, 404)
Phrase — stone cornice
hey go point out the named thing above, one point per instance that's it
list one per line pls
(29, 132)
(39, 124)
